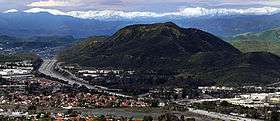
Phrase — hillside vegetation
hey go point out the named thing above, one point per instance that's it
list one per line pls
(192, 55)
(266, 41)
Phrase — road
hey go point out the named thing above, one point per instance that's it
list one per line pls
(274, 84)
(48, 68)
(221, 116)
(225, 117)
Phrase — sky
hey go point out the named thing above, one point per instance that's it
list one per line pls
(132, 5)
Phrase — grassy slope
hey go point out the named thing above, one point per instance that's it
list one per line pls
(256, 46)
(266, 41)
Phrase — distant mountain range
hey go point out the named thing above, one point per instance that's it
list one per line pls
(43, 23)
(181, 13)
(266, 41)
(191, 54)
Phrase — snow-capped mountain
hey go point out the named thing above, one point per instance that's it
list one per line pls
(185, 12)
(221, 22)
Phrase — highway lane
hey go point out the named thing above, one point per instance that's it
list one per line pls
(221, 116)
(48, 68)
(273, 84)
(226, 117)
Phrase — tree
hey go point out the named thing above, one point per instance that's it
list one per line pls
(102, 118)
(225, 104)
(168, 117)
(275, 116)
(32, 107)
(155, 103)
(185, 92)
(182, 118)
(148, 118)
(83, 88)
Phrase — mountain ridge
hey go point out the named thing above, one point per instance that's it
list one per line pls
(184, 12)
(44, 24)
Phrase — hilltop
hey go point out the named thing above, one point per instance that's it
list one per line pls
(146, 46)
(195, 56)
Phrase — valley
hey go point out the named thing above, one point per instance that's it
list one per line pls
(77, 60)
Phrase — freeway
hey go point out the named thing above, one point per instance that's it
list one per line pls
(217, 115)
(48, 68)
(221, 116)
(273, 84)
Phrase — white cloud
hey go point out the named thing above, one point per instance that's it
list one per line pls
(186, 12)
(49, 3)
(11, 11)
(51, 11)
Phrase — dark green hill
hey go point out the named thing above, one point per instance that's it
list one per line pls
(267, 41)
(193, 55)
(81, 52)
(146, 46)
(255, 68)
